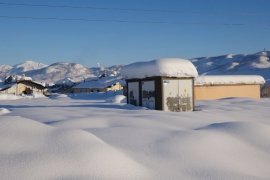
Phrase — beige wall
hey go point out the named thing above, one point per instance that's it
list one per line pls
(115, 87)
(11, 90)
(226, 91)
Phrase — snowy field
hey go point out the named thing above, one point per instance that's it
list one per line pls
(93, 138)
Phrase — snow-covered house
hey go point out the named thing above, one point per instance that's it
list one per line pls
(22, 87)
(16, 78)
(226, 86)
(99, 85)
(163, 84)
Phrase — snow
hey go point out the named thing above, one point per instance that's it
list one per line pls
(16, 78)
(57, 96)
(170, 67)
(229, 56)
(238, 64)
(230, 64)
(262, 63)
(3, 85)
(81, 138)
(4, 111)
(9, 97)
(66, 81)
(4, 69)
(26, 66)
(4, 96)
(117, 99)
(233, 65)
(60, 72)
(100, 83)
(227, 79)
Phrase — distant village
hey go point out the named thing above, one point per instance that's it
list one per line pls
(147, 84)
(22, 85)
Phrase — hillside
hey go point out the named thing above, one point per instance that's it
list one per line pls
(58, 71)
(47, 73)
(4, 69)
(239, 64)
(251, 64)
(27, 66)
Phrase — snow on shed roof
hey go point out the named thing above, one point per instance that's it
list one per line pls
(169, 67)
(229, 79)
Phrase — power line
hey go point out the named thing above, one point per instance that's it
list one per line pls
(122, 9)
(85, 7)
(121, 21)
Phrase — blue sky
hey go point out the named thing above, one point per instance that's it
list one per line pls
(192, 28)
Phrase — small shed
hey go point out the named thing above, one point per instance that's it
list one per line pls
(226, 86)
(163, 84)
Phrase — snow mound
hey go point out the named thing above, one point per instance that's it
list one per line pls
(9, 97)
(38, 95)
(38, 151)
(92, 139)
(117, 99)
(4, 111)
(227, 79)
(57, 96)
(15, 97)
(170, 67)
(253, 132)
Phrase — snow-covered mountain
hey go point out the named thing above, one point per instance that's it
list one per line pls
(113, 70)
(49, 74)
(60, 71)
(239, 64)
(26, 66)
(4, 69)
(251, 64)
(20, 69)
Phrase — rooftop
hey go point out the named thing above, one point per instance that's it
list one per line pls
(169, 67)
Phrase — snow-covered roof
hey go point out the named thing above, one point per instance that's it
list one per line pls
(90, 84)
(169, 67)
(5, 86)
(100, 83)
(229, 79)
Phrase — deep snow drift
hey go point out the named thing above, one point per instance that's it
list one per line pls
(73, 138)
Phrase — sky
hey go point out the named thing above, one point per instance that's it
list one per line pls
(124, 31)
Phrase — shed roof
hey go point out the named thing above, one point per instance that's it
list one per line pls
(169, 67)
(229, 79)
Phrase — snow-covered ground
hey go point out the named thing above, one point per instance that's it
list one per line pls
(93, 138)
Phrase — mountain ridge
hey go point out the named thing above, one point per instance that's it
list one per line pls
(229, 64)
